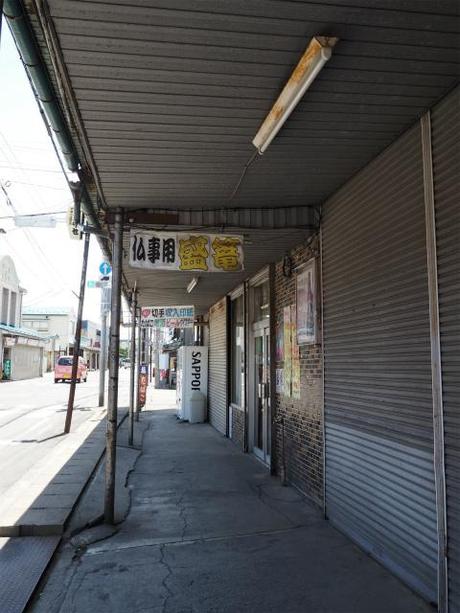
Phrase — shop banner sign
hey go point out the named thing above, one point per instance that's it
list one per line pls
(168, 316)
(183, 251)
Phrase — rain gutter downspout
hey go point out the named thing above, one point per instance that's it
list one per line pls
(27, 48)
(41, 83)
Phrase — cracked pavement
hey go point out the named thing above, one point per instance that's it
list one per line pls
(209, 530)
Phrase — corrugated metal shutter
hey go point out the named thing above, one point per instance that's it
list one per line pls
(378, 401)
(445, 122)
(217, 385)
(25, 362)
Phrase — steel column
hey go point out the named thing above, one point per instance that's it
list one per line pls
(77, 341)
(436, 372)
(132, 376)
(138, 369)
(272, 370)
(114, 359)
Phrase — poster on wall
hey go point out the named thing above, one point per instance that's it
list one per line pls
(279, 381)
(183, 251)
(287, 350)
(279, 342)
(295, 358)
(306, 301)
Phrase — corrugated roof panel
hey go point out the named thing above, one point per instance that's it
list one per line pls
(171, 93)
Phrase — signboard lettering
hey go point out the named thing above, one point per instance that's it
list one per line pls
(186, 252)
(168, 316)
(196, 370)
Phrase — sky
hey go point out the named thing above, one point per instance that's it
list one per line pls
(47, 260)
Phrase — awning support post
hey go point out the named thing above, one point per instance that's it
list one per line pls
(132, 377)
(114, 358)
(138, 370)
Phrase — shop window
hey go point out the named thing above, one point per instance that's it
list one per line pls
(261, 301)
(13, 306)
(237, 358)
(5, 299)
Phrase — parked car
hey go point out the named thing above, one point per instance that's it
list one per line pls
(63, 369)
(125, 363)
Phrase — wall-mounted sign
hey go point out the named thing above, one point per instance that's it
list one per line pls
(306, 301)
(168, 316)
(185, 251)
(142, 386)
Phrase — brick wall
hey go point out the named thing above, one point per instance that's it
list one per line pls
(237, 416)
(299, 453)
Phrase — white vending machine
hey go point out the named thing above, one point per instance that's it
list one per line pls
(192, 376)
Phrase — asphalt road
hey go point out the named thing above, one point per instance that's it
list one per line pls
(32, 415)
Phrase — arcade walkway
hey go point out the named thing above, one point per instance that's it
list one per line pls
(209, 530)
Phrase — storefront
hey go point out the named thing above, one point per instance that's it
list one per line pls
(343, 363)
(22, 354)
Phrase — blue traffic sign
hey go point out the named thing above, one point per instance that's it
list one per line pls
(105, 268)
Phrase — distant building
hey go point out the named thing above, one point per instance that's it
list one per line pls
(58, 324)
(21, 349)
(91, 343)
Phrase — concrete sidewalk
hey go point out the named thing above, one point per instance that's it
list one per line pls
(209, 530)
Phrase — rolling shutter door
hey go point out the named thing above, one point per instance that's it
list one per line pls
(445, 122)
(218, 366)
(378, 399)
(25, 362)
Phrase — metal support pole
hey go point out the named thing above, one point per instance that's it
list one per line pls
(77, 342)
(157, 358)
(114, 359)
(132, 377)
(151, 355)
(138, 369)
(103, 359)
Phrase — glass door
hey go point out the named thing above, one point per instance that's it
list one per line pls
(262, 394)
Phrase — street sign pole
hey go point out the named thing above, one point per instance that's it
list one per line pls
(77, 342)
(102, 361)
(105, 307)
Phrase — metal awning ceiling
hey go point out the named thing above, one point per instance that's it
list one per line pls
(168, 94)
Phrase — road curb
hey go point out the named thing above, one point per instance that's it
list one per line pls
(45, 497)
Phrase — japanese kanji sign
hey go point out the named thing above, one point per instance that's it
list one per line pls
(168, 316)
(184, 251)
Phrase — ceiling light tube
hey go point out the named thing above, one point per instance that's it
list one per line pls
(193, 283)
(316, 55)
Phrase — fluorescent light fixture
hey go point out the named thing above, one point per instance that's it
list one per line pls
(193, 283)
(316, 55)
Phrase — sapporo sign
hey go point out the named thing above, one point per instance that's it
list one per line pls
(168, 316)
(185, 251)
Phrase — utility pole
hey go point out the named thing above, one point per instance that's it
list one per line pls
(132, 377)
(114, 363)
(105, 308)
(77, 342)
